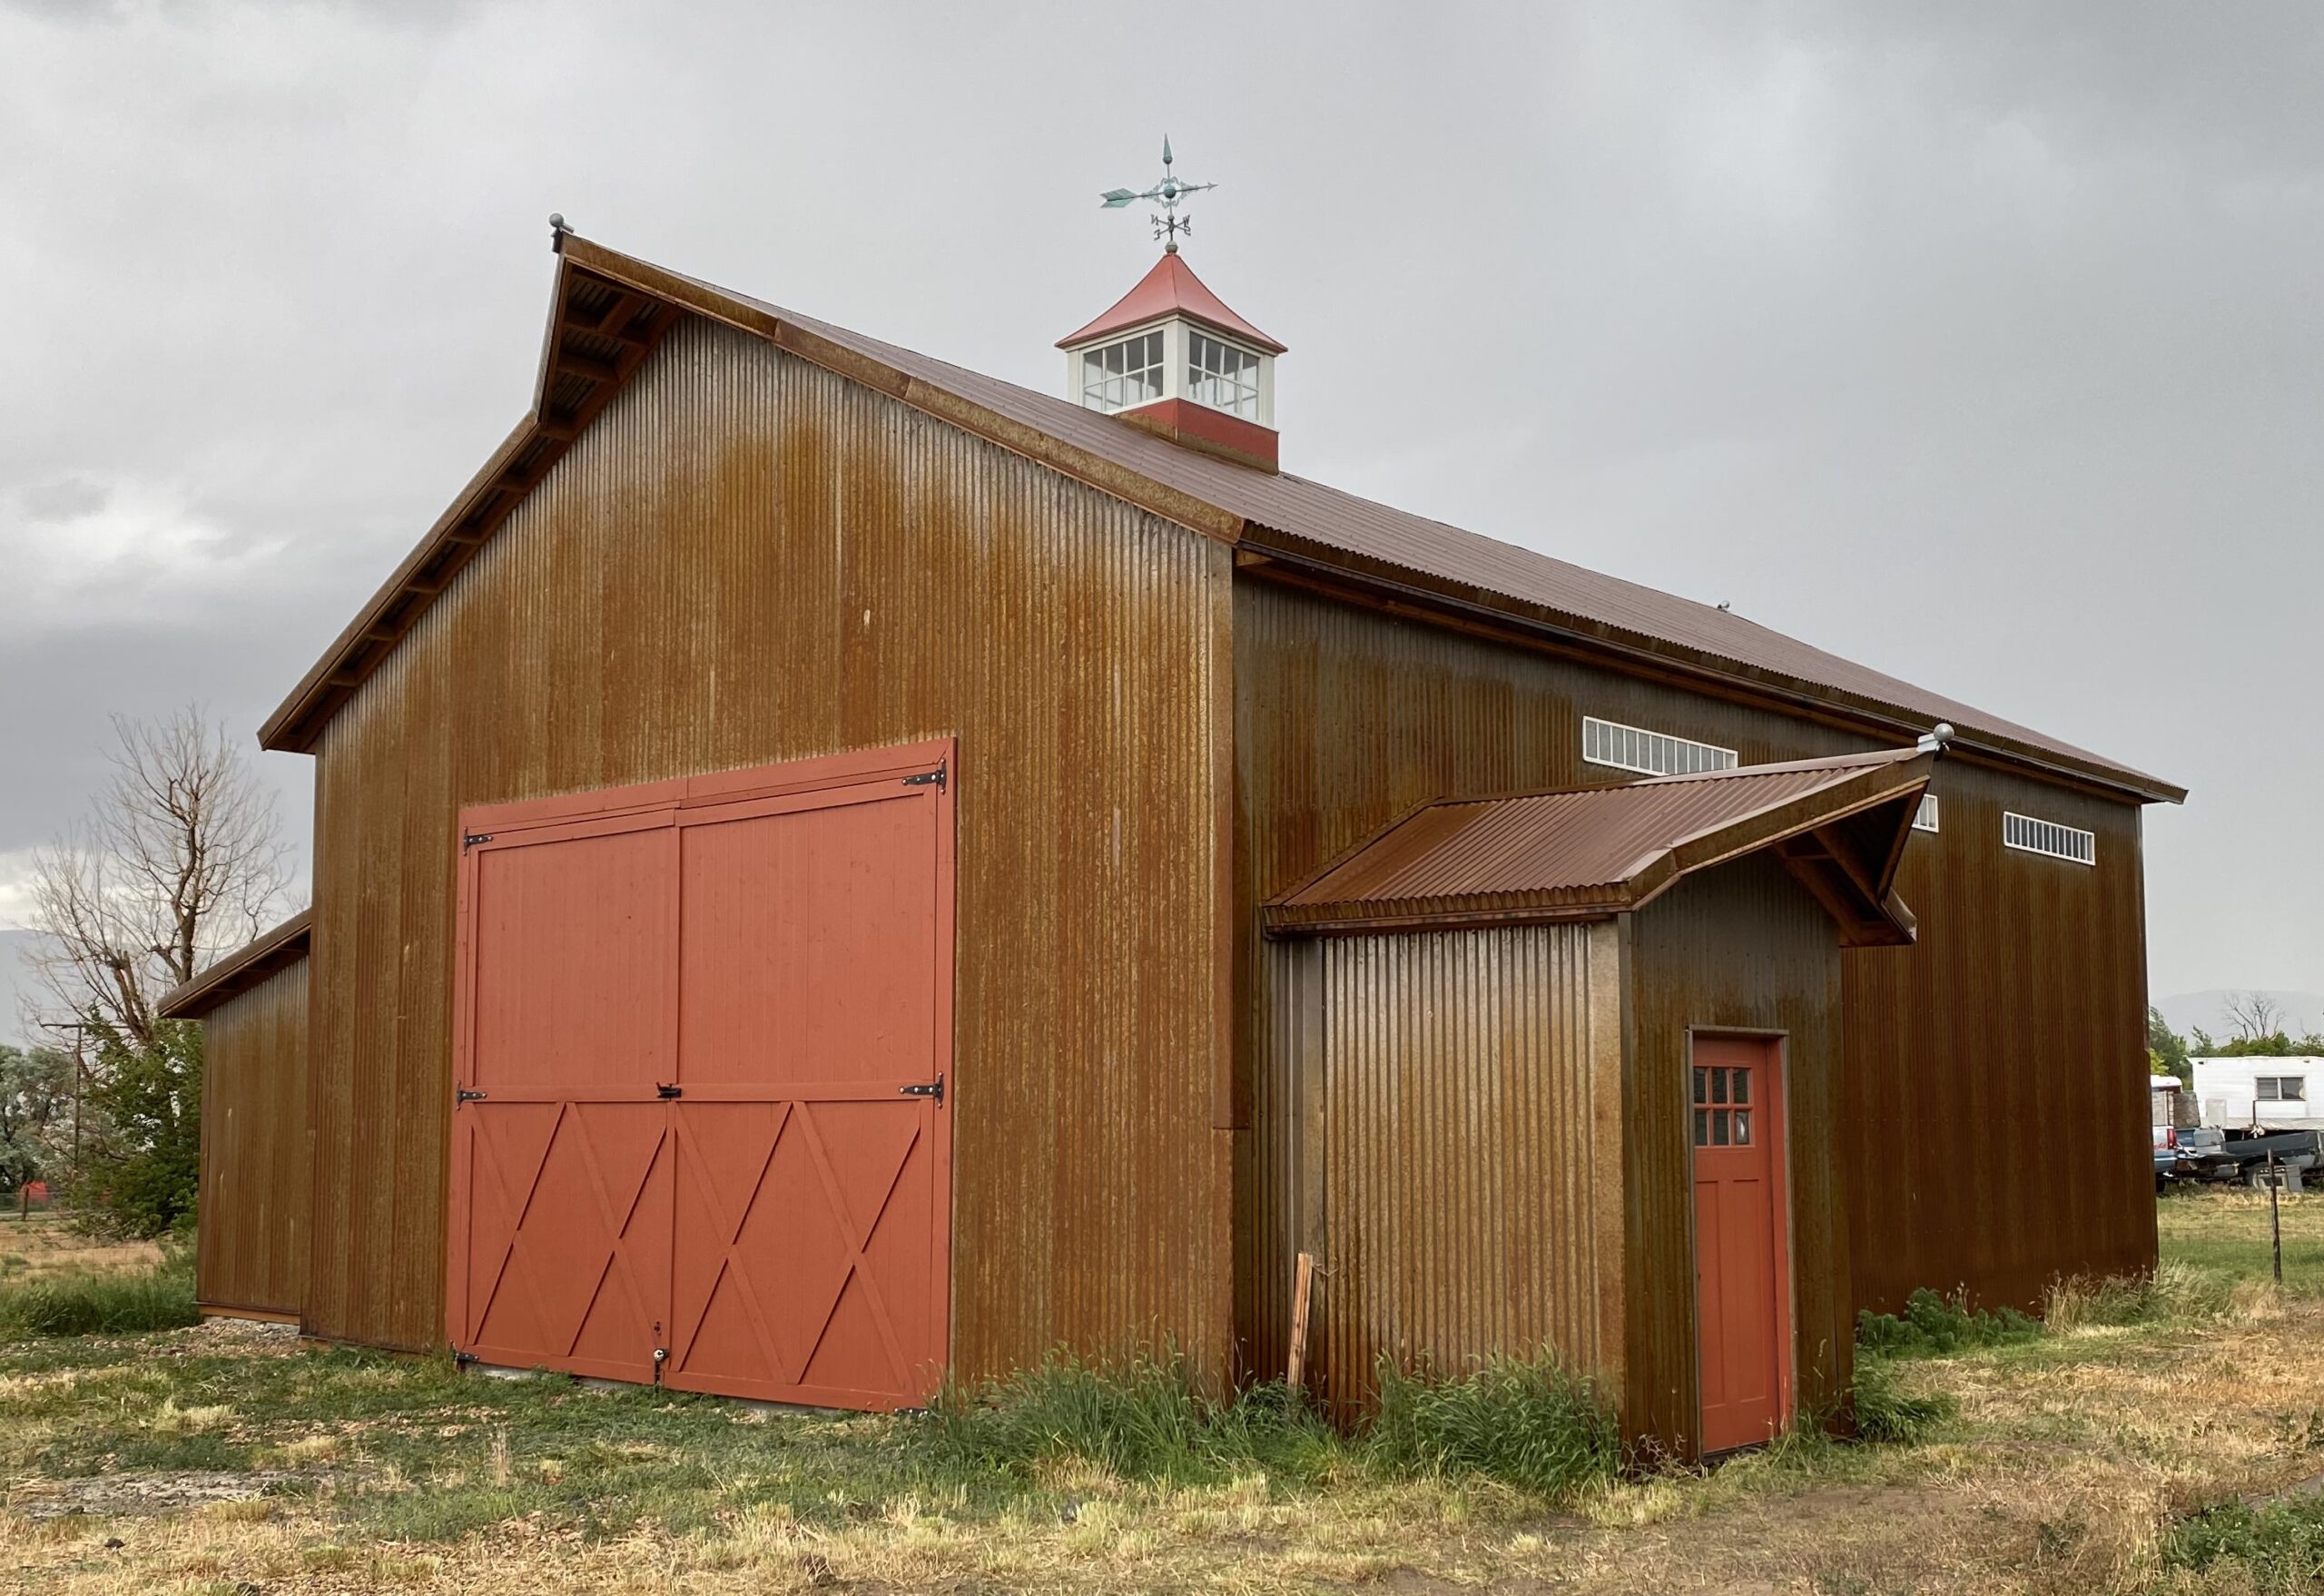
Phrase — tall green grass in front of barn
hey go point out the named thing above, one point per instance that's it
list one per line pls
(1528, 1423)
(99, 1302)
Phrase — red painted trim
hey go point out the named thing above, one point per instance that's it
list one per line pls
(1170, 289)
(1182, 420)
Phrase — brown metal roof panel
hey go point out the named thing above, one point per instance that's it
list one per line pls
(1603, 847)
(240, 969)
(1272, 509)
(1546, 842)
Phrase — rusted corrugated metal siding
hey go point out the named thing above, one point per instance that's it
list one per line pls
(1347, 719)
(1740, 947)
(745, 559)
(1999, 1133)
(251, 1253)
(1467, 1090)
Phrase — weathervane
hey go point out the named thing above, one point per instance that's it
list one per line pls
(1166, 193)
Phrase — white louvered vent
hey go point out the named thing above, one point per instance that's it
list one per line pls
(1924, 817)
(1651, 753)
(2029, 836)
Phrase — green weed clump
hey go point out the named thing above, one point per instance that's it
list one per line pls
(111, 1302)
(1524, 1422)
(1886, 1415)
(1938, 1326)
(2279, 1546)
(1136, 1417)
(1530, 1423)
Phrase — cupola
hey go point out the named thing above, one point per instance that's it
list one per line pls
(1170, 357)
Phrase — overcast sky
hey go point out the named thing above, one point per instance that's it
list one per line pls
(1980, 343)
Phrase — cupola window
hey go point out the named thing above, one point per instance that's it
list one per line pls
(1118, 376)
(1221, 376)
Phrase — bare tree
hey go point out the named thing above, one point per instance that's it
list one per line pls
(181, 858)
(2254, 1015)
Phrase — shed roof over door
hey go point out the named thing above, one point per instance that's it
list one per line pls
(1839, 824)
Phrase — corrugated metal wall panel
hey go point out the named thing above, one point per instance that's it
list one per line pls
(251, 1254)
(1999, 1133)
(747, 559)
(1740, 947)
(1346, 718)
(1470, 1088)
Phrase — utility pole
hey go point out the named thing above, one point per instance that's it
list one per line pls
(79, 1030)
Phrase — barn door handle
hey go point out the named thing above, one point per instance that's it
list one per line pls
(926, 1088)
(666, 1092)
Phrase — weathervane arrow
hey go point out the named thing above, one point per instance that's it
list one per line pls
(1168, 193)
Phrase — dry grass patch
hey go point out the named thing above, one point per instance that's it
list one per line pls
(2070, 1462)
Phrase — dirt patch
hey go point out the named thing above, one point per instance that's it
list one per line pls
(259, 1337)
(142, 1495)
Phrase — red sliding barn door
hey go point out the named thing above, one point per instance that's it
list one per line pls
(1742, 1225)
(702, 1133)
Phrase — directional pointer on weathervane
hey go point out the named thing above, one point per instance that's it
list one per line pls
(1166, 193)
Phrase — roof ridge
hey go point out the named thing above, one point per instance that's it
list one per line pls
(1286, 517)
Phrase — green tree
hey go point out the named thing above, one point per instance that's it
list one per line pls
(141, 1177)
(2274, 1045)
(2166, 1049)
(35, 1100)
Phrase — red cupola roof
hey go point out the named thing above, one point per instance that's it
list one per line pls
(1171, 289)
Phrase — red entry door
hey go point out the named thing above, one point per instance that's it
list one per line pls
(1742, 1221)
(702, 1133)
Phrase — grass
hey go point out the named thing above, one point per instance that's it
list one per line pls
(2278, 1547)
(83, 1301)
(1140, 1418)
(2224, 1232)
(1938, 1326)
(2140, 1443)
(1525, 1422)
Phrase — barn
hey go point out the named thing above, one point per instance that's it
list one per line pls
(832, 868)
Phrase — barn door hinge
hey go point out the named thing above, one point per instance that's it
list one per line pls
(465, 1096)
(461, 1360)
(924, 1089)
(470, 839)
(928, 778)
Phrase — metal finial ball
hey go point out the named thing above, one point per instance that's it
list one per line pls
(556, 223)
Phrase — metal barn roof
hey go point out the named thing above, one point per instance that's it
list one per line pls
(240, 969)
(1591, 852)
(610, 307)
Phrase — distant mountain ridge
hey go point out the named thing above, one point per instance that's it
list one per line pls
(16, 983)
(2303, 1012)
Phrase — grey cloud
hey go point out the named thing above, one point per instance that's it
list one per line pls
(66, 498)
(1977, 341)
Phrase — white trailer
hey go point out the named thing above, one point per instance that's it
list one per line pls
(2259, 1094)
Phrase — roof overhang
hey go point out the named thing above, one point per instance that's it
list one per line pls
(247, 967)
(1839, 828)
(609, 309)
(1275, 555)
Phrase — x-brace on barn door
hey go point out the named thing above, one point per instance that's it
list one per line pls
(703, 1132)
